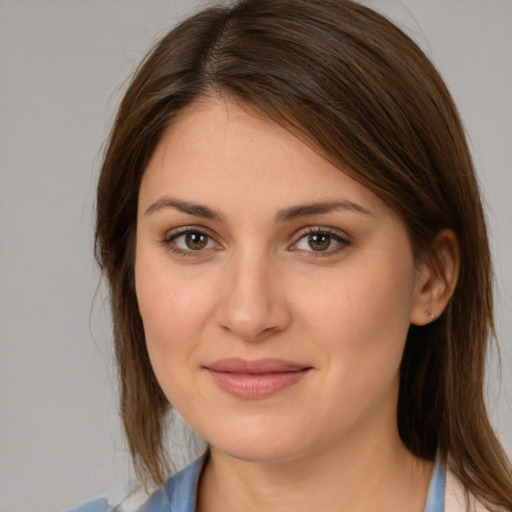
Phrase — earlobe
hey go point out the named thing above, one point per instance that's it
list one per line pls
(437, 279)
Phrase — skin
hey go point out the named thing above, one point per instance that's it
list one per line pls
(255, 287)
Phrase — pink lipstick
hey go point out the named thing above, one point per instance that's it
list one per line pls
(251, 380)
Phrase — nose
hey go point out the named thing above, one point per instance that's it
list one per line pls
(253, 305)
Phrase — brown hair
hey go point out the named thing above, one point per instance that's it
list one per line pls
(359, 90)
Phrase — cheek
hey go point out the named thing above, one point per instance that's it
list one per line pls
(173, 313)
(360, 328)
(174, 308)
(353, 304)
(361, 320)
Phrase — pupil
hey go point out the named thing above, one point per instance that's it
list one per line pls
(196, 241)
(319, 242)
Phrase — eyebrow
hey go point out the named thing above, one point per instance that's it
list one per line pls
(287, 214)
(198, 210)
(319, 208)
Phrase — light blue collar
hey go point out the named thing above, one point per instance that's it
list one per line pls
(179, 493)
(435, 498)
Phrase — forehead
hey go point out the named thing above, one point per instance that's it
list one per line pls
(218, 149)
(219, 137)
(250, 171)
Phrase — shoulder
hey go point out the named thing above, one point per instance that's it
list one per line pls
(98, 505)
(459, 499)
(177, 494)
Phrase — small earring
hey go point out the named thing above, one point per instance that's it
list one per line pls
(430, 315)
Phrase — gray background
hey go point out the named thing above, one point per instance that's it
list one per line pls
(60, 61)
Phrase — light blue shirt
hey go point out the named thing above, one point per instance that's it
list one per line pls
(178, 494)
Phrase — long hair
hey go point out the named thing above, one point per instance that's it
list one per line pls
(352, 85)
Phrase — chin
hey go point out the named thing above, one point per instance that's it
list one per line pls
(263, 442)
(261, 453)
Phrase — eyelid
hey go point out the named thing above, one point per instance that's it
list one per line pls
(338, 235)
(341, 237)
(173, 234)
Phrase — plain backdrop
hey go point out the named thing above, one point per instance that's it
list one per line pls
(63, 67)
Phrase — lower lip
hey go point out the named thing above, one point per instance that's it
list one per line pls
(251, 386)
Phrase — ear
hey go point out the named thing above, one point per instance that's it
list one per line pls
(437, 277)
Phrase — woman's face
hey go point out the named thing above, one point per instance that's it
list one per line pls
(276, 292)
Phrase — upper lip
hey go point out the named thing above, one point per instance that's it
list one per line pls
(258, 366)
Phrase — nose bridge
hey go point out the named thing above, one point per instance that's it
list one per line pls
(253, 306)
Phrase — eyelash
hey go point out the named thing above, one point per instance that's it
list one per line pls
(333, 235)
(169, 241)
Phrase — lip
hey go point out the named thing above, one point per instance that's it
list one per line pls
(255, 379)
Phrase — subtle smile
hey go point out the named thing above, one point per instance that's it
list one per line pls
(251, 380)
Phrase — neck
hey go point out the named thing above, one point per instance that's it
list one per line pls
(382, 475)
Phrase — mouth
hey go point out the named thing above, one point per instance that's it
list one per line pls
(251, 380)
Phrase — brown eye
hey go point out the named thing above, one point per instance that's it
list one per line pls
(319, 241)
(190, 241)
(196, 241)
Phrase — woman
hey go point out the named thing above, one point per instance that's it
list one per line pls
(290, 224)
